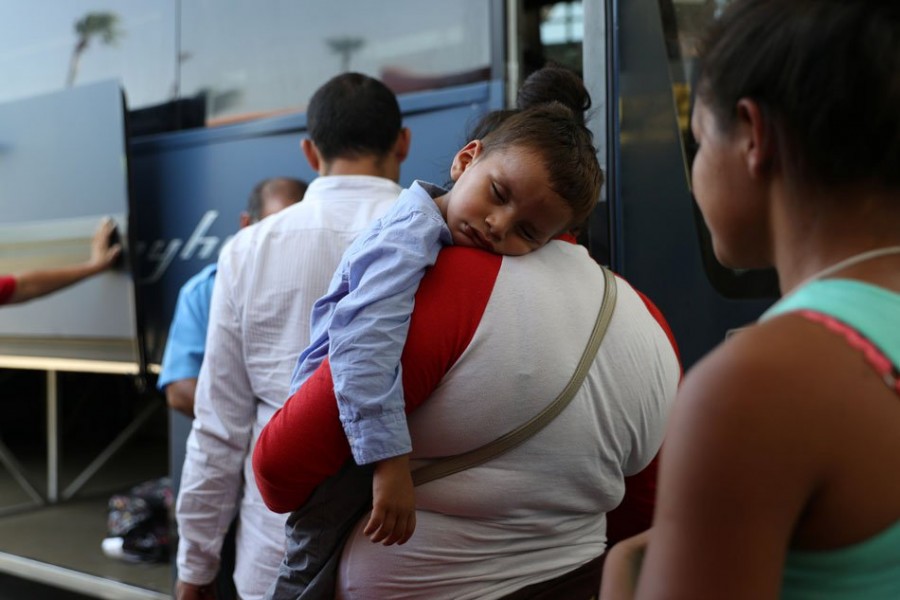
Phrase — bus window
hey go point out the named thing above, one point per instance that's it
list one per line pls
(261, 58)
(57, 44)
(684, 22)
(242, 59)
(551, 31)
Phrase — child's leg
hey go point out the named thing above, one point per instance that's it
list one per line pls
(316, 534)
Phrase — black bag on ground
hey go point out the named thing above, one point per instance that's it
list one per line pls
(138, 522)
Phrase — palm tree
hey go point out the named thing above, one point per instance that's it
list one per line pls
(345, 47)
(101, 25)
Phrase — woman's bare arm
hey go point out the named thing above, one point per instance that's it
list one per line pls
(34, 284)
(740, 465)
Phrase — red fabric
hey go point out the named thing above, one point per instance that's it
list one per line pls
(7, 288)
(635, 513)
(872, 354)
(304, 443)
(657, 314)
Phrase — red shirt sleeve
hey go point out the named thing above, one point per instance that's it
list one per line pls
(303, 444)
(661, 319)
(7, 288)
(635, 513)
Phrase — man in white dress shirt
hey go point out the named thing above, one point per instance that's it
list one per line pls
(268, 278)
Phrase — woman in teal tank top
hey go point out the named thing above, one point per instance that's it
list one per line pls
(780, 476)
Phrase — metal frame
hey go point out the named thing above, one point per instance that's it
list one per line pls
(74, 581)
(52, 366)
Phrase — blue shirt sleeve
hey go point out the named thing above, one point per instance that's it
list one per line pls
(187, 333)
(369, 324)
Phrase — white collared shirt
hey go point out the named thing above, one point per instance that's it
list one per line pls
(269, 276)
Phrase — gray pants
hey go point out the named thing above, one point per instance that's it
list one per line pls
(316, 534)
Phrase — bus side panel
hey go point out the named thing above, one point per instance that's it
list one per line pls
(189, 199)
(654, 228)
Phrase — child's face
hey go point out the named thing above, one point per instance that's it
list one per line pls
(502, 202)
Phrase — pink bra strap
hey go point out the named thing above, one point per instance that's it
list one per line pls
(872, 354)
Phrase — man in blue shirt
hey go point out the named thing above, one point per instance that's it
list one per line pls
(187, 333)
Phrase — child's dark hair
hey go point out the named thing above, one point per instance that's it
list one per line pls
(565, 146)
(353, 115)
(489, 122)
(827, 75)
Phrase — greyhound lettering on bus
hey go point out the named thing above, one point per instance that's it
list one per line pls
(157, 256)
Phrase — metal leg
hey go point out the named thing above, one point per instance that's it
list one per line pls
(19, 474)
(110, 450)
(54, 443)
(52, 438)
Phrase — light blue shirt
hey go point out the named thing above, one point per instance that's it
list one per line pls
(362, 322)
(187, 333)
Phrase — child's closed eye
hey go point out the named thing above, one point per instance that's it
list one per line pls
(529, 236)
(498, 195)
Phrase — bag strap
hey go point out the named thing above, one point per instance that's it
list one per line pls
(460, 462)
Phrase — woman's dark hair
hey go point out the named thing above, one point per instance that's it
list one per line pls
(353, 115)
(552, 83)
(565, 146)
(826, 73)
(555, 83)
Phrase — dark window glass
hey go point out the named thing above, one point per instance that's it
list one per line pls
(562, 33)
(684, 22)
(550, 31)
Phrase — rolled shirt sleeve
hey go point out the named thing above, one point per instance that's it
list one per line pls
(218, 443)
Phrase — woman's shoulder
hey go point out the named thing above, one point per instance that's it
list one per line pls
(766, 386)
(765, 360)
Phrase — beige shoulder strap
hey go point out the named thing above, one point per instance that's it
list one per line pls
(460, 462)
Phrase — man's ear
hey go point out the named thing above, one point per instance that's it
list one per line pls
(401, 146)
(758, 142)
(245, 219)
(464, 158)
(311, 153)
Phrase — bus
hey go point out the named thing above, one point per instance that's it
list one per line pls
(165, 113)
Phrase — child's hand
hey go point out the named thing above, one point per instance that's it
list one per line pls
(393, 518)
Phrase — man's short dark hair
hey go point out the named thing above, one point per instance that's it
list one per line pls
(353, 115)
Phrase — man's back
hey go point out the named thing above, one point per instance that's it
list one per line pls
(275, 267)
(268, 278)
